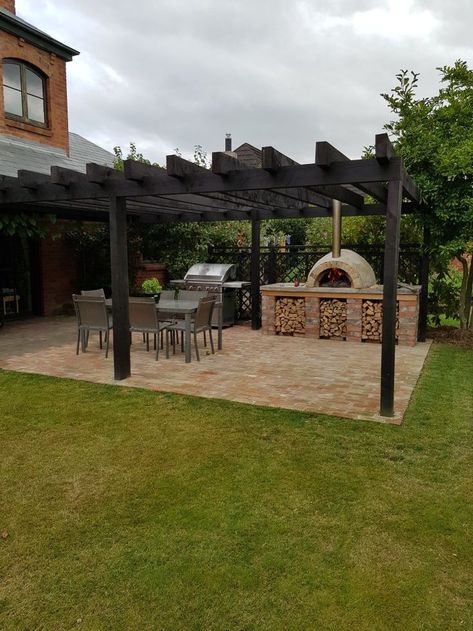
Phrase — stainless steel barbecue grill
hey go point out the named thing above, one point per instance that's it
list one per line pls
(217, 279)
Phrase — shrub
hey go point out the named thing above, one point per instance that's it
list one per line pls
(151, 286)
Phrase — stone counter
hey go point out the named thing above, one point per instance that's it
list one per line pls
(356, 313)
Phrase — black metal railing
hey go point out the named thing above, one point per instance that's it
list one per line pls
(283, 264)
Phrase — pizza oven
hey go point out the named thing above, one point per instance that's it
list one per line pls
(341, 268)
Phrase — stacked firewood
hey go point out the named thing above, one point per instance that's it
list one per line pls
(290, 316)
(333, 318)
(372, 320)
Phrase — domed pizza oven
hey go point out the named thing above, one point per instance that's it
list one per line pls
(347, 270)
(340, 268)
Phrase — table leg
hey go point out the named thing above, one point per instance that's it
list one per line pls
(187, 337)
(220, 326)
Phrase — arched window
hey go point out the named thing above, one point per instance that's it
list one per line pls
(24, 92)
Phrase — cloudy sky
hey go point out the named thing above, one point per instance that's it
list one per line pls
(175, 73)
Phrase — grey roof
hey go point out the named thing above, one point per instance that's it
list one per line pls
(15, 25)
(16, 153)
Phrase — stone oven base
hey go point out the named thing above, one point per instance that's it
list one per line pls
(343, 314)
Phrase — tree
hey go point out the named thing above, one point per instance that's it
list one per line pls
(434, 135)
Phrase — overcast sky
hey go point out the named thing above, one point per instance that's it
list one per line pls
(175, 73)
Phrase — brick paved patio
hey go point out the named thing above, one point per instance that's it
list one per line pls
(339, 378)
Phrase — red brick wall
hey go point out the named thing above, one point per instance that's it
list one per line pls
(408, 317)
(145, 270)
(58, 273)
(54, 68)
(8, 4)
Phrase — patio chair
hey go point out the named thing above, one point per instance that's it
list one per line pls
(167, 294)
(92, 315)
(94, 292)
(200, 324)
(144, 319)
(188, 294)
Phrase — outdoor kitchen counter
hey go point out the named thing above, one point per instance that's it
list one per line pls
(343, 313)
(375, 292)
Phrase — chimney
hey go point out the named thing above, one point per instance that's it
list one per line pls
(9, 5)
(228, 141)
(336, 228)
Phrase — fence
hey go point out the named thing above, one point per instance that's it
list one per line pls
(282, 265)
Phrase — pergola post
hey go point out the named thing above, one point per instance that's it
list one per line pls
(424, 282)
(255, 272)
(391, 264)
(120, 289)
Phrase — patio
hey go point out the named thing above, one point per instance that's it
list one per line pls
(332, 186)
(336, 378)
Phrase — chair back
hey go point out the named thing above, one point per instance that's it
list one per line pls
(93, 292)
(167, 294)
(143, 313)
(203, 316)
(189, 294)
(91, 311)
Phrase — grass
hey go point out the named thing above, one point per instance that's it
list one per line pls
(125, 509)
(445, 321)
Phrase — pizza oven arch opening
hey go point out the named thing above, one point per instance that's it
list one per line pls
(333, 277)
(347, 270)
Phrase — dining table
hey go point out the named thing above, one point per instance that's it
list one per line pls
(186, 308)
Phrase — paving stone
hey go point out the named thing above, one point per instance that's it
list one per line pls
(303, 374)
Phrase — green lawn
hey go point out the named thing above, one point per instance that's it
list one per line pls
(124, 509)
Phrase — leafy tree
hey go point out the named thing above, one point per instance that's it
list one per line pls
(434, 135)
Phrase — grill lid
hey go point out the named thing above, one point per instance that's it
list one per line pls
(216, 272)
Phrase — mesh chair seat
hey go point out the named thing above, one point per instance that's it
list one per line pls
(189, 294)
(201, 323)
(91, 315)
(167, 294)
(144, 319)
(93, 292)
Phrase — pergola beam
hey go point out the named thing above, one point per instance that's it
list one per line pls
(291, 177)
(98, 210)
(384, 152)
(223, 163)
(326, 155)
(32, 179)
(7, 182)
(179, 168)
(410, 188)
(272, 160)
(100, 174)
(139, 171)
(343, 195)
(284, 213)
(384, 149)
(66, 177)
(134, 170)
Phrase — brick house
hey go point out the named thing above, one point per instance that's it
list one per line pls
(36, 276)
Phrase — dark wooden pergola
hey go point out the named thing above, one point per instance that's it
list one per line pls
(185, 192)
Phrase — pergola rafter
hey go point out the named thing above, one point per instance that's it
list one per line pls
(185, 192)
